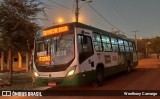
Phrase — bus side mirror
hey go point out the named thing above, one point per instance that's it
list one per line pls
(85, 41)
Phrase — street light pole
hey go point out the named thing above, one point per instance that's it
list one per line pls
(135, 38)
(146, 50)
(77, 10)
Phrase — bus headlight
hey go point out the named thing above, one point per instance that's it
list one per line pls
(35, 74)
(71, 72)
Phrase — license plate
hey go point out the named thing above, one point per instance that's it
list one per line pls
(53, 83)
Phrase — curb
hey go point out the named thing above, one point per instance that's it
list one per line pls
(41, 88)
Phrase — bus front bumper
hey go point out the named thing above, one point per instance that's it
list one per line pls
(61, 81)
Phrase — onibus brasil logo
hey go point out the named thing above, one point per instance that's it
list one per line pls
(21, 93)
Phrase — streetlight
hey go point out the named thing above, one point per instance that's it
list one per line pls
(60, 20)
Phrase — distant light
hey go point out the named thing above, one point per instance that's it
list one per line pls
(140, 38)
(148, 43)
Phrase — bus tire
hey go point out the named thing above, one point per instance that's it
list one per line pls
(100, 76)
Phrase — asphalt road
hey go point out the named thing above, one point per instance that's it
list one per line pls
(145, 77)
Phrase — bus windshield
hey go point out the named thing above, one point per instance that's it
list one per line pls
(55, 50)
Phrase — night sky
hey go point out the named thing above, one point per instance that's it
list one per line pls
(126, 15)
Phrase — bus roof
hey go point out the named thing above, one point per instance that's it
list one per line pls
(81, 25)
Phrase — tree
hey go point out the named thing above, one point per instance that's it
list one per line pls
(17, 26)
(141, 46)
(155, 44)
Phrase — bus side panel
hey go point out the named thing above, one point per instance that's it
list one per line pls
(115, 62)
(110, 60)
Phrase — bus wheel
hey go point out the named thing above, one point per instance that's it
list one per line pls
(100, 76)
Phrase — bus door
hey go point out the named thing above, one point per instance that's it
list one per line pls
(86, 52)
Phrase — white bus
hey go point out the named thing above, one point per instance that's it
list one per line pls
(75, 54)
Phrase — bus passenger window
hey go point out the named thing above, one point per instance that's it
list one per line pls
(114, 44)
(106, 43)
(121, 45)
(97, 42)
(126, 46)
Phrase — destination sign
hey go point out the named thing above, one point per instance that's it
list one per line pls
(44, 58)
(56, 30)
